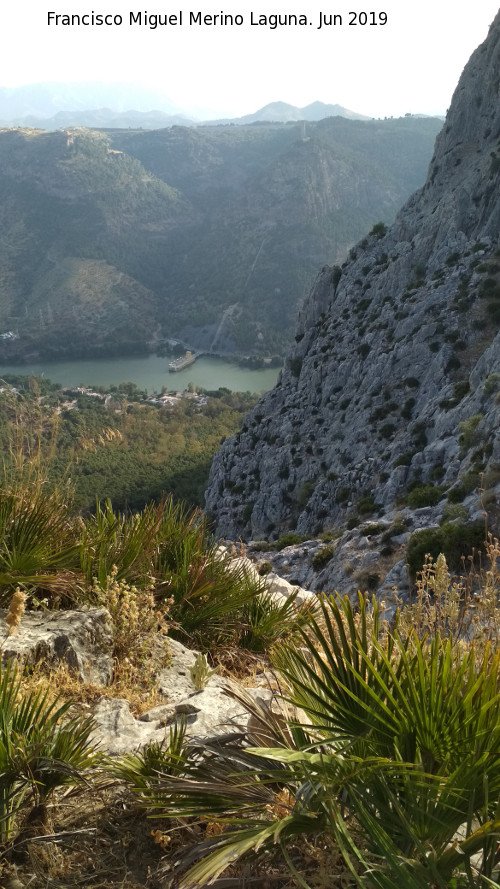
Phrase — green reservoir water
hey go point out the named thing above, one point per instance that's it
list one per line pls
(149, 372)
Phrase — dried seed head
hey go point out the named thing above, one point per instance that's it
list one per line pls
(16, 611)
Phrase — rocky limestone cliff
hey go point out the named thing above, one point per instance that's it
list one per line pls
(391, 394)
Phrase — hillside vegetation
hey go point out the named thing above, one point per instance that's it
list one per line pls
(353, 779)
(113, 240)
(118, 445)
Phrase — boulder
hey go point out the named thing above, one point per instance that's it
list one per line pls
(208, 713)
(82, 638)
(281, 587)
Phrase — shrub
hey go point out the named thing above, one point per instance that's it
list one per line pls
(424, 495)
(491, 384)
(407, 409)
(387, 430)
(305, 492)
(343, 495)
(455, 540)
(373, 530)
(366, 504)
(459, 608)
(452, 364)
(367, 580)
(379, 230)
(291, 538)
(137, 620)
(468, 434)
(454, 511)
(322, 557)
(404, 459)
(330, 534)
(247, 512)
(493, 310)
(468, 483)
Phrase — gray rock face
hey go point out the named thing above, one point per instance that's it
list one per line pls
(394, 378)
(206, 712)
(83, 639)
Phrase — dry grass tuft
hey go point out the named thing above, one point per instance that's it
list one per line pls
(134, 685)
(465, 609)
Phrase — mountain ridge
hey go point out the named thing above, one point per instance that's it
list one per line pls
(391, 386)
(196, 221)
(54, 105)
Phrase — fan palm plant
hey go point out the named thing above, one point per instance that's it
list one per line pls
(206, 589)
(266, 619)
(38, 751)
(397, 761)
(116, 540)
(142, 770)
(39, 548)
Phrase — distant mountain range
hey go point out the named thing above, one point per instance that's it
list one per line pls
(44, 100)
(282, 112)
(51, 106)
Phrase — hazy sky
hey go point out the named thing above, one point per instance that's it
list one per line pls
(411, 64)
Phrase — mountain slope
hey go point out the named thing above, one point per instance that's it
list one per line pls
(71, 210)
(273, 203)
(220, 230)
(390, 395)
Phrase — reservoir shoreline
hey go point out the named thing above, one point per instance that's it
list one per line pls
(148, 372)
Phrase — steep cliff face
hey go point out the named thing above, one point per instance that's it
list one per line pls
(391, 394)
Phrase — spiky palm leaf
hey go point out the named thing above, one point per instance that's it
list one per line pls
(265, 619)
(402, 750)
(208, 591)
(142, 770)
(38, 752)
(38, 545)
(127, 542)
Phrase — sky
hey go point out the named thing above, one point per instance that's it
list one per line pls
(410, 64)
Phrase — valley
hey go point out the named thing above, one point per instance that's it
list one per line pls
(113, 241)
(297, 684)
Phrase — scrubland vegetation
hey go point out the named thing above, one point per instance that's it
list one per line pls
(379, 766)
(123, 448)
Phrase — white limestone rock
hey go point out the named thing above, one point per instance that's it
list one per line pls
(83, 638)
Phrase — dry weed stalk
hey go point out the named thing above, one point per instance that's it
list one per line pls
(16, 610)
(465, 609)
(137, 620)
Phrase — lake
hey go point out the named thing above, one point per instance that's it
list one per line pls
(149, 372)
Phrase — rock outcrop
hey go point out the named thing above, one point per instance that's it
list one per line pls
(206, 712)
(390, 396)
(83, 639)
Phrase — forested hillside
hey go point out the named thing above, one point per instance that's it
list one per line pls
(117, 445)
(112, 241)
